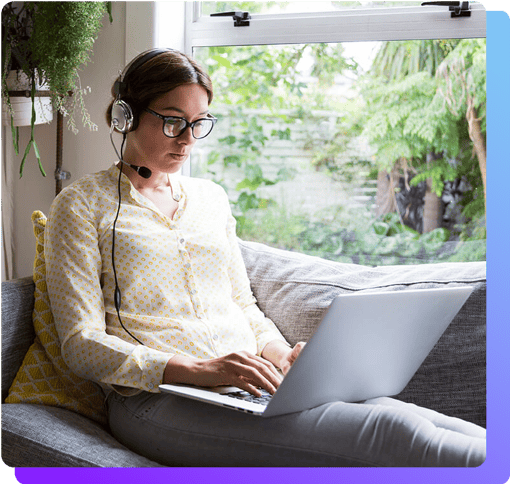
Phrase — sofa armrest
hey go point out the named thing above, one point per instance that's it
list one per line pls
(17, 327)
(45, 436)
(294, 290)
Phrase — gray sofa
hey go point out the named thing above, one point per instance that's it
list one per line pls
(293, 290)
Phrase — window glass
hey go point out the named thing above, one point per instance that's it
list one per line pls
(371, 152)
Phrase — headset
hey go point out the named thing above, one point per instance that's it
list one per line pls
(124, 121)
(123, 116)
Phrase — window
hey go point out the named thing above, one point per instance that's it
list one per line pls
(338, 24)
(344, 132)
(208, 8)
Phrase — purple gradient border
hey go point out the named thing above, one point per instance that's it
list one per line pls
(496, 469)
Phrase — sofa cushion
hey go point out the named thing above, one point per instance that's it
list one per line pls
(17, 327)
(294, 290)
(43, 436)
(44, 378)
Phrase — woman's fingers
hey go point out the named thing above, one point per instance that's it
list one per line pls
(252, 372)
(243, 384)
(291, 357)
(295, 351)
(241, 369)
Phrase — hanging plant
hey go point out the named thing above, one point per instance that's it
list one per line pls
(50, 42)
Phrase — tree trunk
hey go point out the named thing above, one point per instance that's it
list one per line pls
(385, 197)
(476, 135)
(432, 210)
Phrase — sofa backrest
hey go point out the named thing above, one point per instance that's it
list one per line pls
(17, 327)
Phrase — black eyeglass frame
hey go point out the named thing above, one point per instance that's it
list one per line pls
(210, 117)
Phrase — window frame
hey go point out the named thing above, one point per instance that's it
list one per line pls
(369, 24)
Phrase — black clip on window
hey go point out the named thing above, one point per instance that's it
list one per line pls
(241, 19)
(458, 9)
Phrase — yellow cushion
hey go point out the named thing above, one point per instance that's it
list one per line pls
(44, 378)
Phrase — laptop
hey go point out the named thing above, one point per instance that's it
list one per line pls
(368, 344)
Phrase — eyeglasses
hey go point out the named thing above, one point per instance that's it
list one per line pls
(174, 126)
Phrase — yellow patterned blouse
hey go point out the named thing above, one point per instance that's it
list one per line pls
(183, 281)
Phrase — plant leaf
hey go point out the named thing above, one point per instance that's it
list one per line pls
(32, 140)
(15, 135)
(109, 10)
(27, 150)
(38, 156)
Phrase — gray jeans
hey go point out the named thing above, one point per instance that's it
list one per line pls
(380, 432)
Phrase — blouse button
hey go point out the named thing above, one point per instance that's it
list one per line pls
(215, 337)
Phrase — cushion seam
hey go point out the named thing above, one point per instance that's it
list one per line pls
(355, 288)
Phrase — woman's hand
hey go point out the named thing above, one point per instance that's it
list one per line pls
(288, 359)
(281, 355)
(242, 369)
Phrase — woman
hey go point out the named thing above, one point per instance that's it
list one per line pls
(147, 285)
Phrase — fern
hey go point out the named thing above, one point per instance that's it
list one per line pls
(439, 172)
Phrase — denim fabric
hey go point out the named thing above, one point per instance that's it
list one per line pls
(382, 432)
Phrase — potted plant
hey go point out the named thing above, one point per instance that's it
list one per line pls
(44, 44)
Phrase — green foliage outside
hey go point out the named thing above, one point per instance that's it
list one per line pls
(408, 105)
(384, 241)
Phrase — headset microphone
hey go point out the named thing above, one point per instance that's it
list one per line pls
(143, 171)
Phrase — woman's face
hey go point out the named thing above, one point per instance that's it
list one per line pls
(148, 146)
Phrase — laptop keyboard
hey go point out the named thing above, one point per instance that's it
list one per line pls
(248, 397)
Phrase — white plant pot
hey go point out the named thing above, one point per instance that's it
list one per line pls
(22, 106)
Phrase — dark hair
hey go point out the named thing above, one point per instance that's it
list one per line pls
(156, 77)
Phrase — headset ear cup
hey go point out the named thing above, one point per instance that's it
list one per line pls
(122, 117)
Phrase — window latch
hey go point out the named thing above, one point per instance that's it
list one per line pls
(241, 19)
(457, 9)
